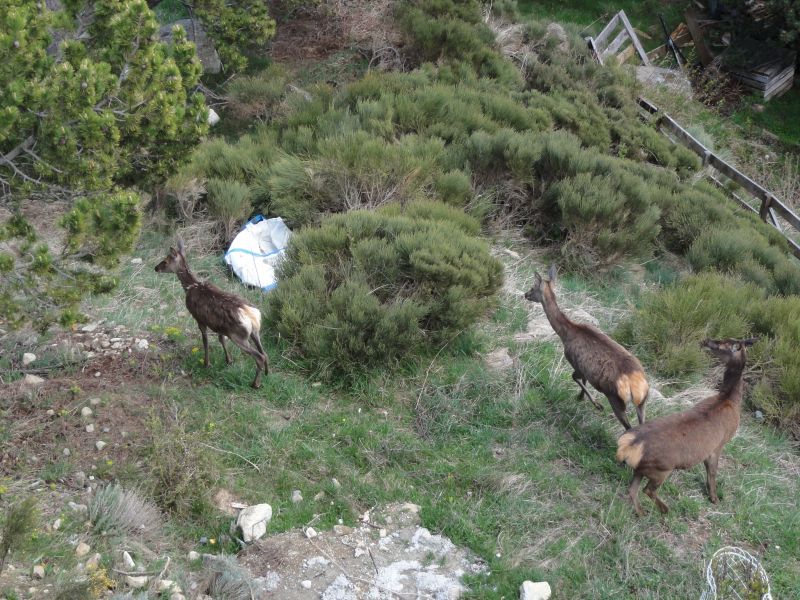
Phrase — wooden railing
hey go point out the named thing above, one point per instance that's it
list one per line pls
(771, 206)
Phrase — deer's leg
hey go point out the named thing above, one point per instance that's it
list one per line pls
(640, 412)
(581, 381)
(257, 341)
(260, 358)
(651, 489)
(711, 474)
(633, 493)
(204, 333)
(618, 406)
(224, 347)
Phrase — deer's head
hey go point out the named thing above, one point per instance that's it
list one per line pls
(536, 293)
(174, 261)
(729, 351)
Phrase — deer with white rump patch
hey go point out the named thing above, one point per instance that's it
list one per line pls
(225, 314)
(684, 439)
(594, 356)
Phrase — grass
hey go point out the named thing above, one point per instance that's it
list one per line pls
(780, 116)
(593, 16)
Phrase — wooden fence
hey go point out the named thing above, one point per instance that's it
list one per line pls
(771, 206)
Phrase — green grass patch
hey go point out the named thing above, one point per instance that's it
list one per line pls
(780, 116)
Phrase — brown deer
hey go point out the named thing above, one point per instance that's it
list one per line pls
(684, 439)
(594, 356)
(225, 314)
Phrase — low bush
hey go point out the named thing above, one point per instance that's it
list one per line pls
(228, 204)
(367, 288)
(19, 524)
(666, 330)
(120, 512)
(257, 96)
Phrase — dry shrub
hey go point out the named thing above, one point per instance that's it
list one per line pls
(185, 191)
(370, 25)
(225, 579)
(118, 511)
(716, 88)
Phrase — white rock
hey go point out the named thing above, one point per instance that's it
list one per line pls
(359, 552)
(297, 497)
(57, 524)
(335, 483)
(38, 572)
(82, 549)
(177, 596)
(253, 521)
(66, 452)
(90, 327)
(28, 358)
(32, 379)
(534, 591)
(382, 533)
(94, 401)
(86, 412)
(166, 585)
(340, 589)
(127, 561)
(100, 444)
(116, 345)
(306, 584)
(213, 117)
(51, 412)
(142, 344)
(136, 261)
(193, 555)
(90, 428)
(311, 532)
(137, 582)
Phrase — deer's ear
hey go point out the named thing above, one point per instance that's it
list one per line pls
(181, 246)
(551, 274)
(537, 279)
(172, 251)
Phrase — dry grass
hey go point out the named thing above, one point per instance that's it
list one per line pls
(117, 511)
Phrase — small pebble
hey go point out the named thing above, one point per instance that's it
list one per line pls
(336, 483)
(127, 561)
(193, 555)
(57, 524)
(311, 532)
(65, 452)
(38, 572)
(82, 549)
(28, 358)
(306, 584)
(759, 415)
(297, 497)
(51, 413)
(86, 412)
(97, 374)
(204, 540)
(90, 428)
(100, 444)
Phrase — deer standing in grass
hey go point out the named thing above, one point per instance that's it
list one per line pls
(682, 440)
(225, 314)
(594, 356)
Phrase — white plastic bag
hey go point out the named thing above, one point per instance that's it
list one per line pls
(257, 250)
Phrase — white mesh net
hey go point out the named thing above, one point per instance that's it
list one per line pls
(735, 574)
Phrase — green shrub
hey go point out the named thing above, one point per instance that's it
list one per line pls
(367, 288)
(228, 204)
(117, 511)
(605, 218)
(257, 96)
(19, 524)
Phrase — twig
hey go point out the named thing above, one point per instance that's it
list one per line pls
(252, 464)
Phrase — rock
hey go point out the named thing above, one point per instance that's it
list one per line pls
(106, 430)
(79, 477)
(90, 327)
(28, 358)
(177, 596)
(358, 552)
(66, 452)
(100, 444)
(127, 561)
(311, 532)
(193, 555)
(82, 549)
(136, 261)
(213, 117)
(94, 401)
(206, 51)
(142, 344)
(297, 497)
(94, 560)
(534, 591)
(86, 412)
(341, 530)
(335, 483)
(166, 585)
(30, 379)
(306, 584)
(37, 572)
(340, 589)
(759, 415)
(136, 582)
(499, 360)
(51, 412)
(90, 428)
(382, 533)
(57, 524)
(78, 508)
(116, 345)
(253, 521)
(554, 30)
(672, 79)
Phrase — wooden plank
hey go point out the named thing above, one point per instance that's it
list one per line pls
(593, 49)
(647, 105)
(779, 91)
(743, 180)
(775, 221)
(623, 56)
(697, 35)
(600, 40)
(614, 46)
(687, 138)
(634, 38)
(786, 213)
(742, 202)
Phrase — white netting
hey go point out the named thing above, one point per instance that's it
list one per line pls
(735, 574)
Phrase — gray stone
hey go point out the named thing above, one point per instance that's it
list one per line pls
(90, 428)
(28, 358)
(57, 524)
(759, 415)
(253, 521)
(206, 51)
(213, 117)
(100, 444)
(534, 591)
(78, 508)
(94, 560)
(82, 549)
(79, 477)
(142, 344)
(193, 555)
(137, 581)
(66, 452)
(297, 497)
(340, 589)
(32, 379)
(127, 561)
(37, 572)
(90, 327)
(86, 412)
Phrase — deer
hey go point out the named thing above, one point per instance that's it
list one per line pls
(594, 356)
(225, 314)
(683, 440)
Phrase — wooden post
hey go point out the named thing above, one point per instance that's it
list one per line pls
(634, 38)
(697, 35)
